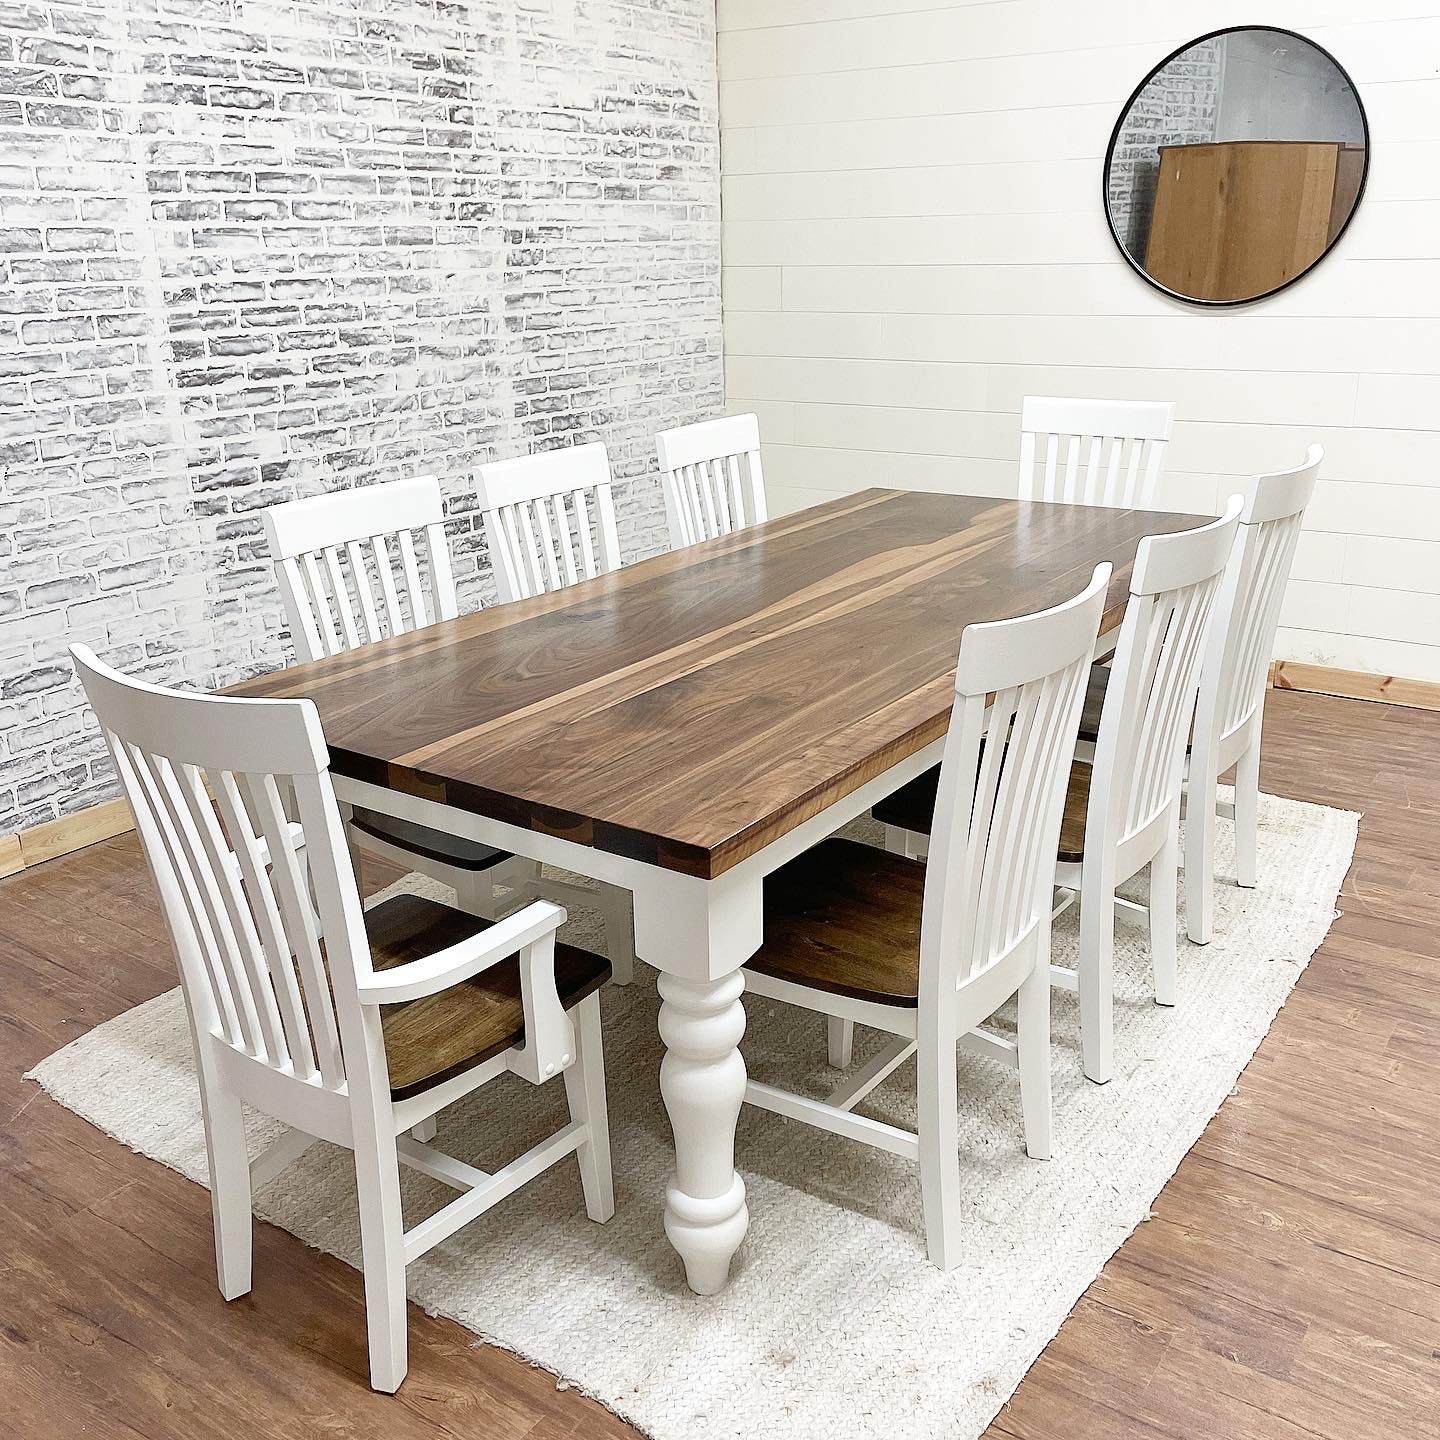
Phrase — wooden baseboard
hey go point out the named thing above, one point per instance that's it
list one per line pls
(59, 837)
(1355, 684)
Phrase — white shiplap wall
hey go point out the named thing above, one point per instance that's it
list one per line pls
(914, 239)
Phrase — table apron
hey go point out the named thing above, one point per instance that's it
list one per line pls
(684, 925)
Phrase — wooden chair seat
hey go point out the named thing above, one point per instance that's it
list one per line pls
(1094, 702)
(912, 807)
(439, 1036)
(428, 844)
(845, 917)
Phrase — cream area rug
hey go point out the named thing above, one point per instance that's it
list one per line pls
(834, 1323)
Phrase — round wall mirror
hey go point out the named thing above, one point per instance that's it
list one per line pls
(1236, 165)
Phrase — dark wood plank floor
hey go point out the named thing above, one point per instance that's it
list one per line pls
(1288, 1286)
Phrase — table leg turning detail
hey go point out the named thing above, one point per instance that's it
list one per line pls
(702, 1080)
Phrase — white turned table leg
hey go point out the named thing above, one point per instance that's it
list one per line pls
(702, 1079)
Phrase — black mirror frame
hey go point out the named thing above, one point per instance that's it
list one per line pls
(1135, 94)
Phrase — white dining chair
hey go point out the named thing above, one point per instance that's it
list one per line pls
(1231, 710)
(712, 478)
(549, 520)
(927, 953)
(348, 1026)
(1122, 808)
(1092, 452)
(354, 567)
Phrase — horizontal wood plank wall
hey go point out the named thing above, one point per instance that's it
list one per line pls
(914, 239)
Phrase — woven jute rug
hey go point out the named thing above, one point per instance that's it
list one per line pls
(835, 1323)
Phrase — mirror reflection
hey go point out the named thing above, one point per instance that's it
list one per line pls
(1236, 165)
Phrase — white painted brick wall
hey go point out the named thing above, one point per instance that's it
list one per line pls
(255, 250)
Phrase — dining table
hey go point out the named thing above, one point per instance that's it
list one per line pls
(686, 724)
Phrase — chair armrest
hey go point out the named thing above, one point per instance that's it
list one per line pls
(521, 931)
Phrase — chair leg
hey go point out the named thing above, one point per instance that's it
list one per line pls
(352, 845)
(424, 1132)
(840, 1040)
(939, 1142)
(585, 1090)
(1164, 920)
(382, 1243)
(1200, 859)
(475, 894)
(1033, 1041)
(229, 1187)
(1097, 983)
(1247, 814)
(521, 876)
(899, 841)
(617, 908)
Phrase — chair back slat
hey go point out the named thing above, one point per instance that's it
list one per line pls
(581, 504)
(685, 521)
(715, 471)
(237, 876)
(1018, 690)
(1264, 572)
(340, 596)
(736, 482)
(1071, 484)
(240, 931)
(230, 994)
(1150, 699)
(569, 542)
(336, 560)
(549, 520)
(414, 587)
(237, 798)
(317, 599)
(273, 986)
(540, 547)
(1002, 916)
(710, 522)
(712, 478)
(1238, 661)
(360, 563)
(300, 924)
(1093, 452)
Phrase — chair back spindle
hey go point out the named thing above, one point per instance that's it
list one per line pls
(712, 477)
(1019, 686)
(349, 569)
(1145, 724)
(549, 520)
(1092, 452)
(248, 893)
(1238, 664)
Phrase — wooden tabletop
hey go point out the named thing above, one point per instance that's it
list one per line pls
(689, 709)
